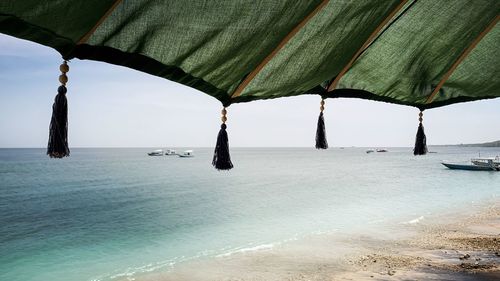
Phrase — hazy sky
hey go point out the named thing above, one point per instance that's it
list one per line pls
(113, 106)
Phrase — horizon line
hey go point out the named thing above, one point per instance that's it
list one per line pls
(371, 146)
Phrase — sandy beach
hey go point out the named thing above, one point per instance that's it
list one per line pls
(460, 246)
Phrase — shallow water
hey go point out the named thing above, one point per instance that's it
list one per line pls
(109, 214)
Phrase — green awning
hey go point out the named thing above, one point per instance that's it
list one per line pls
(423, 53)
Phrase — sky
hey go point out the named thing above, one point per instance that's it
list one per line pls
(114, 106)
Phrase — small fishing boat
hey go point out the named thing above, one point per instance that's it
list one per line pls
(370, 151)
(381, 150)
(187, 154)
(158, 152)
(170, 152)
(476, 164)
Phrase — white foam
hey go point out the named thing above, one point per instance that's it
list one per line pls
(130, 272)
(248, 249)
(414, 221)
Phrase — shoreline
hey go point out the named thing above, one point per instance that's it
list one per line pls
(463, 249)
(462, 246)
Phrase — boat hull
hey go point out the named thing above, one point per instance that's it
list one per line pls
(468, 167)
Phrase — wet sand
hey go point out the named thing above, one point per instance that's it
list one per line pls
(462, 246)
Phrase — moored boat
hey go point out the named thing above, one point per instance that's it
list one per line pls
(170, 152)
(158, 152)
(187, 154)
(476, 164)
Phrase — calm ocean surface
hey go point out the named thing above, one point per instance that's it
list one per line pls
(112, 214)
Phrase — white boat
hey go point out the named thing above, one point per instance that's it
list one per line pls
(186, 154)
(170, 152)
(158, 152)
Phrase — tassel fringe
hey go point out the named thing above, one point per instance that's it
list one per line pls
(420, 140)
(58, 130)
(222, 159)
(321, 142)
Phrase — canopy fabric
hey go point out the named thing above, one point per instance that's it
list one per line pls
(423, 53)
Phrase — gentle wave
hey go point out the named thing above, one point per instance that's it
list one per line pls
(248, 249)
(132, 272)
(414, 221)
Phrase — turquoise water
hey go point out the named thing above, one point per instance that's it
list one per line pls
(113, 214)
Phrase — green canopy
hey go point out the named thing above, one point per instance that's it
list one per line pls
(423, 53)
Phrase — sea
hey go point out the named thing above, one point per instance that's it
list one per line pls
(116, 214)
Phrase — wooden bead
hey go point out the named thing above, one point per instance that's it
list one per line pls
(321, 108)
(420, 114)
(224, 119)
(322, 102)
(420, 119)
(63, 79)
(224, 112)
(64, 67)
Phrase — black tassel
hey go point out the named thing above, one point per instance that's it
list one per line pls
(420, 140)
(321, 142)
(58, 131)
(222, 159)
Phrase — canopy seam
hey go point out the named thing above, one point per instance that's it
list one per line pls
(462, 56)
(282, 43)
(87, 35)
(335, 81)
